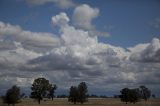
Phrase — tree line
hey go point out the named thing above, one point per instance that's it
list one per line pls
(135, 95)
(42, 88)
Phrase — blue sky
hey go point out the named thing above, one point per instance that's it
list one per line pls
(127, 21)
(108, 43)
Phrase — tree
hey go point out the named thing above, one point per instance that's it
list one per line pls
(82, 92)
(130, 95)
(145, 93)
(78, 94)
(153, 96)
(12, 95)
(52, 89)
(134, 95)
(39, 88)
(125, 95)
(73, 94)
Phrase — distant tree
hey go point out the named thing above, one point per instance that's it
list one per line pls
(117, 96)
(145, 93)
(73, 94)
(82, 92)
(52, 89)
(103, 96)
(22, 95)
(125, 95)
(39, 88)
(12, 95)
(93, 96)
(62, 96)
(153, 96)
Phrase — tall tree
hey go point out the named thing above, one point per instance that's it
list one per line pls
(73, 94)
(78, 94)
(82, 92)
(52, 89)
(39, 88)
(145, 93)
(125, 95)
(12, 95)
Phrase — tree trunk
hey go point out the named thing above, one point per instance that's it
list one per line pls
(81, 102)
(39, 101)
(13, 104)
(52, 98)
(74, 101)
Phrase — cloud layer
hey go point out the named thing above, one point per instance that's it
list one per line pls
(75, 56)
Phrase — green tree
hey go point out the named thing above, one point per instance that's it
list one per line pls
(39, 88)
(145, 93)
(82, 92)
(134, 95)
(73, 94)
(52, 89)
(12, 95)
(125, 95)
(130, 95)
(78, 94)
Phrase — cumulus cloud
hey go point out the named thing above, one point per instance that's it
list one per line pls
(81, 56)
(60, 3)
(13, 58)
(38, 41)
(74, 56)
(17, 47)
(60, 20)
(83, 16)
(147, 52)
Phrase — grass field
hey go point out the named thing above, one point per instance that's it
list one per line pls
(91, 102)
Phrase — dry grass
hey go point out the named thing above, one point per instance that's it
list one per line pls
(91, 102)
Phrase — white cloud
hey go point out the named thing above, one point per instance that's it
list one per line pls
(80, 55)
(60, 3)
(147, 52)
(65, 3)
(15, 57)
(138, 48)
(60, 20)
(74, 56)
(83, 16)
(38, 41)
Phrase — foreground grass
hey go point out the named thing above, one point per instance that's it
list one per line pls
(91, 102)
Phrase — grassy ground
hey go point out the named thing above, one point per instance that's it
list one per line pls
(91, 102)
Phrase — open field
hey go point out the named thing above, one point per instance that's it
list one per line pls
(92, 102)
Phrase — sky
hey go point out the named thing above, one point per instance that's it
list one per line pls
(108, 43)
